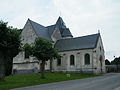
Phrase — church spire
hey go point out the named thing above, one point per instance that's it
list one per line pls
(60, 22)
(98, 31)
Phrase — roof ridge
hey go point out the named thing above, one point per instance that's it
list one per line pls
(80, 36)
(88, 35)
(50, 25)
(35, 22)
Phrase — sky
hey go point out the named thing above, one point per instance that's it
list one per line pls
(83, 17)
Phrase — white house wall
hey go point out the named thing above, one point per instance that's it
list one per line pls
(56, 35)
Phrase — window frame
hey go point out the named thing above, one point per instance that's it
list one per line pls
(87, 59)
(72, 60)
(59, 62)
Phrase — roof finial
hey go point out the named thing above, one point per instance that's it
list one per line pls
(98, 31)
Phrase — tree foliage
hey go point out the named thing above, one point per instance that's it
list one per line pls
(107, 62)
(116, 61)
(28, 50)
(9, 46)
(9, 40)
(43, 50)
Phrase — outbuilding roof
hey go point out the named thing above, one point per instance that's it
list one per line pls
(78, 43)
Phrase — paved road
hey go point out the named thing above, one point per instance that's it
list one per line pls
(106, 82)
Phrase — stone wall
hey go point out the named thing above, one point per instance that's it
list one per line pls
(56, 35)
(28, 35)
(80, 66)
(20, 62)
(99, 52)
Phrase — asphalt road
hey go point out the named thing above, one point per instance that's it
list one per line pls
(106, 82)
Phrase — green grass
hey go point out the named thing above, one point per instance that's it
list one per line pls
(34, 79)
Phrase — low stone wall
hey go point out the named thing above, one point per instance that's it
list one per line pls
(112, 68)
(25, 71)
(87, 72)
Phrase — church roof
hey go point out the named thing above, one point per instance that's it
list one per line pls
(66, 32)
(60, 23)
(46, 32)
(40, 30)
(51, 29)
(78, 43)
(62, 27)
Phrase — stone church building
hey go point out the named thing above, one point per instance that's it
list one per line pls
(83, 54)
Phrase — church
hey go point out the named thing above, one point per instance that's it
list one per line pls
(84, 54)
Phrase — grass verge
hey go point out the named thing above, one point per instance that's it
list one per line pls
(34, 79)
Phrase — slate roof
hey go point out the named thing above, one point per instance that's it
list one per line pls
(40, 30)
(51, 29)
(62, 27)
(46, 32)
(78, 43)
(66, 32)
(60, 23)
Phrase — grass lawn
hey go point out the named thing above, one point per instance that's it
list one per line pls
(34, 79)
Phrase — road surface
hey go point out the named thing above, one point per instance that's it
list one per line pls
(106, 82)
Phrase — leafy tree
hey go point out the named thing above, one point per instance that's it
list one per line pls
(28, 50)
(9, 46)
(107, 62)
(116, 61)
(43, 50)
(13, 50)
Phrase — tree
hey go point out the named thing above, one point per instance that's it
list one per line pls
(14, 49)
(43, 50)
(116, 62)
(28, 50)
(107, 62)
(9, 46)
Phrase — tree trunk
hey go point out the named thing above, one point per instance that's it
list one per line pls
(2, 68)
(51, 65)
(42, 69)
(8, 66)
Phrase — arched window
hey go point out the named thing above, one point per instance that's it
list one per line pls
(58, 62)
(101, 59)
(87, 59)
(100, 48)
(72, 61)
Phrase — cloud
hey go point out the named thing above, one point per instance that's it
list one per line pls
(16, 12)
(87, 16)
(83, 17)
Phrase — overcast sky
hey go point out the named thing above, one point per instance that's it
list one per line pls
(83, 17)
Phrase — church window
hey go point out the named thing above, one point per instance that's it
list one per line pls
(87, 59)
(72, 61)
(100, 48)
(58, 62)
